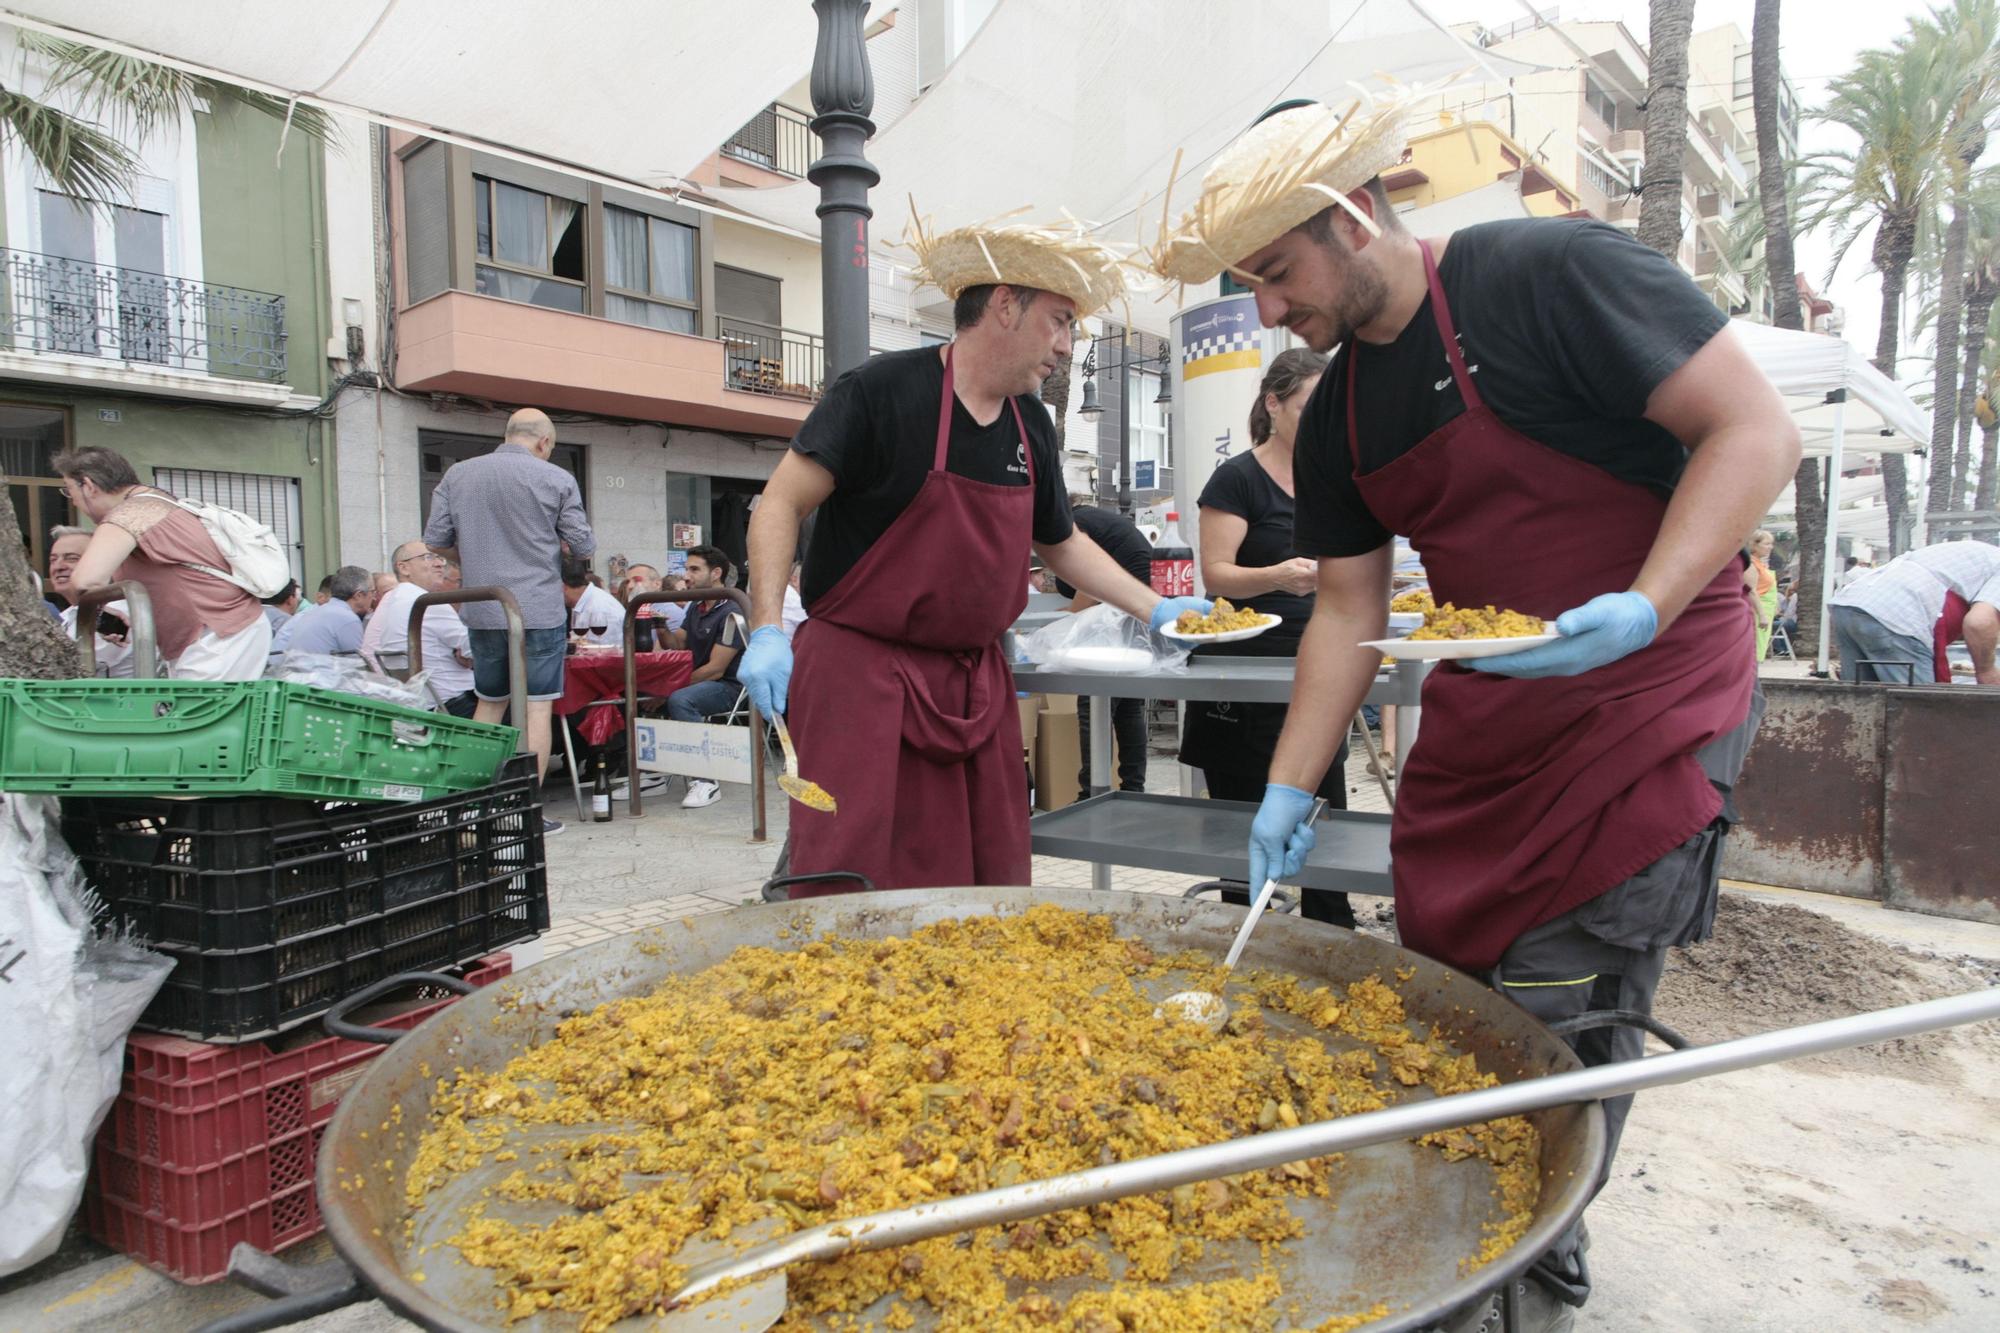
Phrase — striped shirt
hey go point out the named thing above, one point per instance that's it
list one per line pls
(1907, 594)
(508, 513)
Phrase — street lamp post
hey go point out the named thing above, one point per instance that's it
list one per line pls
(843, 98)
(1092, 407)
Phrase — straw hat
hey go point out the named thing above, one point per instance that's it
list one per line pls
(1284, 169)
(1061, 258)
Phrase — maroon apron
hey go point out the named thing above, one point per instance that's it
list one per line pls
(902, 702)
(1525, 798)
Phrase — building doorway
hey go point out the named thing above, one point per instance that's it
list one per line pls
(29, 437)
(438, 450)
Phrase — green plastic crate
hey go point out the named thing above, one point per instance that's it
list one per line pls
(236, 738)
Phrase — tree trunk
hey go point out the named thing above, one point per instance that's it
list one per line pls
(1980, 291)
(1989, 459)
(1773, 180)
(1668, 28)
(1944, 370)
(1895, 241)
(1055, 392)
(32, 645)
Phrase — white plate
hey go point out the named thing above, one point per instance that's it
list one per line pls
(1231, 636)
(1454, 650)
(1101, 658)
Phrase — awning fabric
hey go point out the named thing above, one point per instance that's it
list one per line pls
(1806, 367)
(640, 90)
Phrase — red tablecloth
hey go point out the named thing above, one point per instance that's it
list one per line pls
(588, 677)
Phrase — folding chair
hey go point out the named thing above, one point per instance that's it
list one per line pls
(1780, 639)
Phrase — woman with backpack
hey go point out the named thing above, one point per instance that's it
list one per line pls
(209, 627)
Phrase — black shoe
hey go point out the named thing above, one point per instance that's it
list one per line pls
(551, 827)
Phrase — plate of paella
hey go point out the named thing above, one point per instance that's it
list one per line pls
(1223, 624)
(1453, 633)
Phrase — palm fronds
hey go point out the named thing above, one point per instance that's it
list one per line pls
(79, 158)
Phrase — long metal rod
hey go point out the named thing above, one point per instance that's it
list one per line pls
(1831, 559)
(742, 601)
(138, 618)
(1149, 1174)
(517, 638)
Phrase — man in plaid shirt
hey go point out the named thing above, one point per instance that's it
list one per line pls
(1907, 612)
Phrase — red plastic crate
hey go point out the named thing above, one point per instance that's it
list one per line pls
(208, 1145)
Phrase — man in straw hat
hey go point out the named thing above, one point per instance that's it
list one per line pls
(933, 473)
(1545, 409)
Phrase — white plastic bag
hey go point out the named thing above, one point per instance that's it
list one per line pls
(68, 996)
(351, 675)
(1103, 638)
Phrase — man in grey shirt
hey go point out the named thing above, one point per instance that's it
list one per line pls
(506, 518)
(334, 627)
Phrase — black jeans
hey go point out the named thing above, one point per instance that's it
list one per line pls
(1326, 905)
(1128, 725)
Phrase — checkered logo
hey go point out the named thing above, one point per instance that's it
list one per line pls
(1220, 343)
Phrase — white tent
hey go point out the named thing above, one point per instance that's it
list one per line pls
(1845, 409)
(1051, 103)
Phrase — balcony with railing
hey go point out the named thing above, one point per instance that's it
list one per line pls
(778, 138)
(766, 359)
(69, 307)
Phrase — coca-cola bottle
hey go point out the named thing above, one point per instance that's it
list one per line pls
(1173, 561)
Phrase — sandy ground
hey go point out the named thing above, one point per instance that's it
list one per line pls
(1854, 1191)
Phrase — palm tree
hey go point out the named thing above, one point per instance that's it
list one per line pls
(1989, 423)
(118, 100)
(1669, 25)
(1982, 289)
(1775, 201)
(1959, 42)
(1890, 182)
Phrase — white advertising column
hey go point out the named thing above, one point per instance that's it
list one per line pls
(1220, 353)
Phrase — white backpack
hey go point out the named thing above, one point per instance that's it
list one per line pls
(258, 563)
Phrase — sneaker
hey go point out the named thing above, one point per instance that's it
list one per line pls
(701, 792)
(649, 784)
(551, 827)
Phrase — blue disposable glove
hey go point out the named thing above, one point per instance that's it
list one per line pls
(1601, 631)
(1170, 608)
(1279, 835)
(766, 670)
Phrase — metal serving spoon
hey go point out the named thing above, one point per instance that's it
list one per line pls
(1205, 1007)
(809, 794)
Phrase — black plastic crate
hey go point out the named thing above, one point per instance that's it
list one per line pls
(274, 909)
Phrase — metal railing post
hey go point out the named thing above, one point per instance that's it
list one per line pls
(138, 615)
(517, 659)
(742, 601)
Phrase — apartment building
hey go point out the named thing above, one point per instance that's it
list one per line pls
(1575, 132)
(185, 324)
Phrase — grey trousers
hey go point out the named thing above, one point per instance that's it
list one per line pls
(1610, 953)
(1861, 637)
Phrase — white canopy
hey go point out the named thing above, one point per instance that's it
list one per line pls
(1806, 367)
(639, 90)
(1083, 107)
(1873, 416)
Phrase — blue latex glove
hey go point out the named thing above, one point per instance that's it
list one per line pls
(1602, 630)
(1170, 608)
(766, 670)
(1279, 835)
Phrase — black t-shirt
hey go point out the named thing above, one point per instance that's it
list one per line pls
(712, 623)
(1567, 328)
(1242, 487)
(876, 432)
(1121, 540)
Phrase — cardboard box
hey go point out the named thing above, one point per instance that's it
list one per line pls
(1031, 708)
(1058, 757)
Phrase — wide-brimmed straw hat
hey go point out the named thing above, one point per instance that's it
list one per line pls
(1052, 257)
(1284, 169)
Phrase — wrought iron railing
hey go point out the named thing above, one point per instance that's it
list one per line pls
(762, 358)
(778, 138)
(50, 304)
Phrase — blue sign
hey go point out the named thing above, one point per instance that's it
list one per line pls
(1144, 475)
